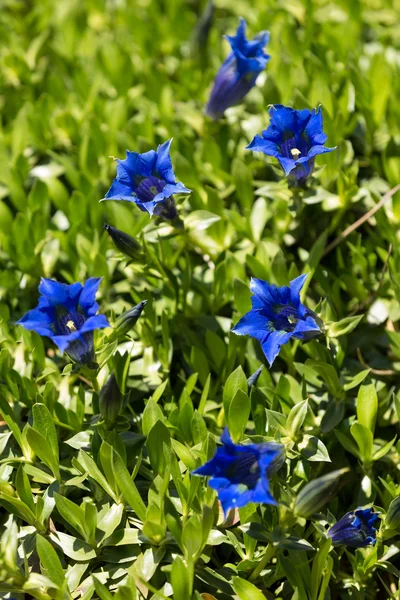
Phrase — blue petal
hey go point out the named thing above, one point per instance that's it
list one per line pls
(234, 497)
(37, 320)
(306, 329)
(176, 188)
(59, 293)
(272, 345)
(252, 323)
(120, 191)
(315, 150)
(315, 128)
(283, 118)
(96, 322)
(226, 438)
(261, 494)
(141, 164)
(287, 164)
(264, 291)
(259, 144)
(295, 288)
(87, 298)
(163, 164)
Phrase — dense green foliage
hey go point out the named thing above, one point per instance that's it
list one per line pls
(96, 505)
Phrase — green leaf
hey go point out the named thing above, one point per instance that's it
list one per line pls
(44, 424)
(71, 513)
(73, 547)
(364, 439)
(43, 450)
(180, 579)
(158, 436)
(238, 415)
(128, 488)
(94, 472)
(383, 450)
(200, 220)
(110, 521)
(151, 414)
(344, 326)
(24, 488)
(246, 590)
(296, 418)
(18, 508)
(236, 381)
(313, 449)
(367, 406)
(50, 561)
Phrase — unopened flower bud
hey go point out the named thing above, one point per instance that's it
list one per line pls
(316, 493)
(125, 242)
(128, 319)
(110, 401)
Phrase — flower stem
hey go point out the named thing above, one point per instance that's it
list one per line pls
(269, 553)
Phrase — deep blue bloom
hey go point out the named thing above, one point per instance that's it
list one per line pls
(239, 72)
(67, 315)
(240, 473)
(295, 138)
(277, 315)
(146, 179)
(355, 529)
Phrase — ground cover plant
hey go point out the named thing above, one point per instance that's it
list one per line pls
(200, 344)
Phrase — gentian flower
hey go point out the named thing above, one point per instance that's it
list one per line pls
(67, 315)
(295, 138)
(240, 474)
(148, 180)
(277, 315)
(355, 529)
(239, 72)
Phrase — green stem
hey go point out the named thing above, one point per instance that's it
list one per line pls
(269, 553)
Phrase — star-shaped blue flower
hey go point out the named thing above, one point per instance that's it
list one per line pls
(355, 529)
(67, 315)
(277, 315)
(146, 179)
(295, 138)
(240, 474)
(239, 72)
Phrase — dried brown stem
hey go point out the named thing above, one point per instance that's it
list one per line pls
(361, 220)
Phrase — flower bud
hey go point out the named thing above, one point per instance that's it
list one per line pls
(355, 529)
(316, 493)
(128, 319)
(124, 242)
(252, 380)
(110, 401)
(392, 520)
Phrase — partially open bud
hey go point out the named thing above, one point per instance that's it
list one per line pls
(128, 319)
(110, 401)
(124, 242)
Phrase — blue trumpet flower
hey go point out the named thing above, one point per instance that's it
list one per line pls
(239, 72)
(148, 180)
(240, 474)
(355, 529)
(277, 315)
(67, 315)
(295, 138)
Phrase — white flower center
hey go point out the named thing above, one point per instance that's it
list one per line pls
(295, 152)
(71, 325)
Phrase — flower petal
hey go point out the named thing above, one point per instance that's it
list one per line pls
(254, 324)
(259, 144)
(87, 298)
(272, 345)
